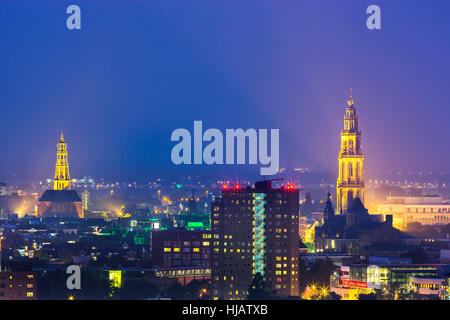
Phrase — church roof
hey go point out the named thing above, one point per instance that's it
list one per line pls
(356, 206)
(60, 196)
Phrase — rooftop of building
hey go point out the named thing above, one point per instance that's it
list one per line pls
(60, 196)
(263, 186)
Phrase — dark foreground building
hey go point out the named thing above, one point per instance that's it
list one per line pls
(255, 230)
(17, 285)
(180, 248)
(355, 232)
(60, 203)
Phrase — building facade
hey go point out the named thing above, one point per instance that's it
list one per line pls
(17, 285)
(355, 232)
(350, 183)
(356, 279)
(180, 248)
(427, 210)
(255, 230)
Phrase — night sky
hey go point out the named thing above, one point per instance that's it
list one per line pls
(140, 69)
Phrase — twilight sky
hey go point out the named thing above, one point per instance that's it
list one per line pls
(140, 69)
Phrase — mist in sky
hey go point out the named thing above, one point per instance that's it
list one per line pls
(137, 70)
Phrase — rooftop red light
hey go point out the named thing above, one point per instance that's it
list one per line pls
(290, 187)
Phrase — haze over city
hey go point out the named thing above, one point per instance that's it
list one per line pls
(135, 73)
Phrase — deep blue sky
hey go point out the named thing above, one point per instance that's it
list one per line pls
(140, 69)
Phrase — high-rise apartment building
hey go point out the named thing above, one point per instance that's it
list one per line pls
(255, 230)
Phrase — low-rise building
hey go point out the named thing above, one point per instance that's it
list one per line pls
(17, 285)
(427, 210)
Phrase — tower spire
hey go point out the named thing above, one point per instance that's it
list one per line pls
(61, 180)
(351, 102)
(350, 183)
(329, 211)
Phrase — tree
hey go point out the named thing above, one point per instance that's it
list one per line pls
(66, 256)
(370, 296)
(303, 275)
(321, 271)
(51, 285)
(95, 285)
(331, 296)
(257, 289)
(137, 289)
(198, 289)
(42, 255)
(176, 291)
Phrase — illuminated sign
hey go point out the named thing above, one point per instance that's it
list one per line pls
(115, 278)
(353, 284)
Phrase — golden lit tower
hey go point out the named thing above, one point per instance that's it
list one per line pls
(350, 183)
(62, 177)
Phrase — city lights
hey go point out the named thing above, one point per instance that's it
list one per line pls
(233, 158)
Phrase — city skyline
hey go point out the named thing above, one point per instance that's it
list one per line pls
(168, 82)
(232, 155)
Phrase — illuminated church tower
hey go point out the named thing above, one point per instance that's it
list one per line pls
(61, 202)
(350, 183)
(62, 177)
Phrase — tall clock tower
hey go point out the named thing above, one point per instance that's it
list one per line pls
(350, 183)
(62, 177)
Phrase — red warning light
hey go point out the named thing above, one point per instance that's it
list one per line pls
(290, 187)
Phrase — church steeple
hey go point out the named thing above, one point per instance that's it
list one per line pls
(350, 183)
(351, 102)
(61, 180)
(329, 211)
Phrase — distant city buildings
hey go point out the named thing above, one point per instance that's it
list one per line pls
(392, 280)
(426, 210)
(168, 232)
